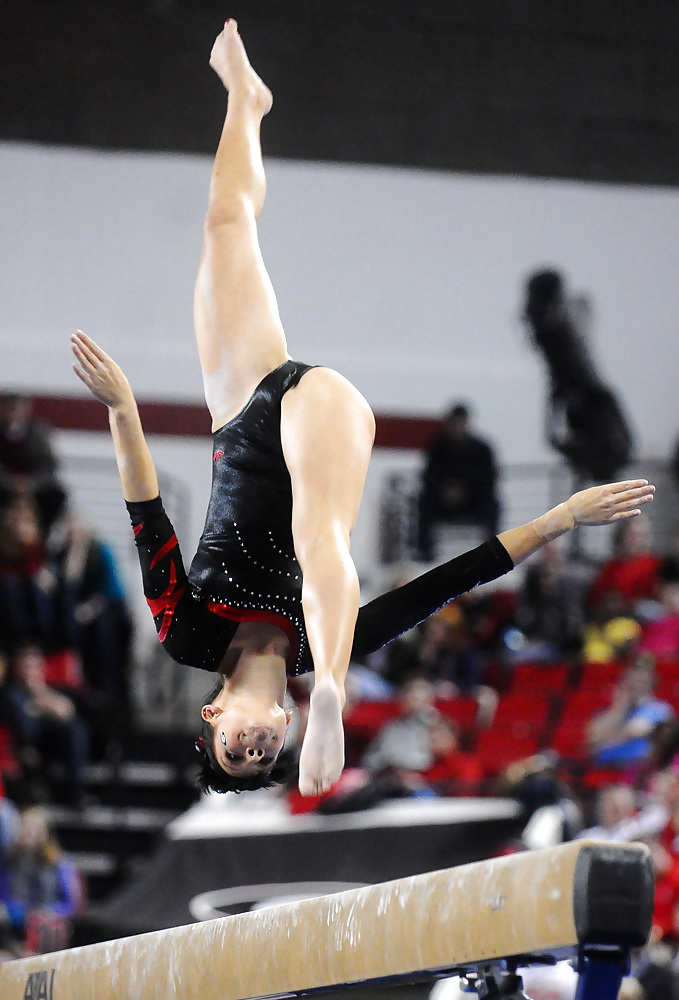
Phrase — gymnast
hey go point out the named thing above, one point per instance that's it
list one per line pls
(272, 591)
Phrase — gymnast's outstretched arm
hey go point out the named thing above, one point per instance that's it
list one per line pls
(108, 384)
(384, 619)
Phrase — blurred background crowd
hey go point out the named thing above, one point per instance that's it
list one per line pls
(561, 692)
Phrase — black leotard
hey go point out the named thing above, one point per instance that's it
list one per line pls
(245, 568)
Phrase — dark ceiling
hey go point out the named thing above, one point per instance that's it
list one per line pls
(561, 88)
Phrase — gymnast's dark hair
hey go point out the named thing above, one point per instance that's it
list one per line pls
(212, 776)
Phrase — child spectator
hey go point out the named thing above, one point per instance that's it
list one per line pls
(40, 889)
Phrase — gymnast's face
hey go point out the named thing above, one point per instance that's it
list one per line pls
(246, 742)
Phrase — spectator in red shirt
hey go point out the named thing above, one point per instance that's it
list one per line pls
(454, 771)
(634, 570)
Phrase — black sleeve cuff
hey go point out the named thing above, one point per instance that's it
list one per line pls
(145, 510)
(501, 554)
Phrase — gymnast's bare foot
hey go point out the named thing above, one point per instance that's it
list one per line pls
(322, 757)
(230, 62)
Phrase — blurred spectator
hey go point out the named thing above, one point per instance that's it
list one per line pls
(421, 748)
(633, 570)
(453, 771)
(10, 947)
(88, 569)
(44, 722)
(669, 565)
(459, 481)
(616, 807)
(21, 541)
(416, 754)
(664, 845)
(674, 462)
(405, 744)
(585, 422)
(446, 656)
(661, 637)
(40, 889)
(27, 462)
(550, 813)
(489, 611)
(655, 979)
(613, 632)
(442, 652)
(25, 448)
(551, 607)
(33, 601)
(664, 749)
(619, 736)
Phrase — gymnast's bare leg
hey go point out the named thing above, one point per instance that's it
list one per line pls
(238, 329)
(327, 428)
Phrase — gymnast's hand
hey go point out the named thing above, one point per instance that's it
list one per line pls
(101, 374)
(606, 504)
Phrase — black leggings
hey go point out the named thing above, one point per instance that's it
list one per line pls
(194, 635)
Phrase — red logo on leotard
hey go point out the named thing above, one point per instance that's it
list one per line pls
(217, 455)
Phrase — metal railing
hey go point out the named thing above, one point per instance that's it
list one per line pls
(526, 490)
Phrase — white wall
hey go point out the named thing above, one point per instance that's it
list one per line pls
(409, 282)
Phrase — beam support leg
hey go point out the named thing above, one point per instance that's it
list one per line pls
(600, 973)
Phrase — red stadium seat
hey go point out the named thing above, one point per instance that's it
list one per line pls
(497, 748)
(530, 710)
(568, 742)
(549, 678)
(601, 675)
(667, 687)
(462, 710)
(363, 721)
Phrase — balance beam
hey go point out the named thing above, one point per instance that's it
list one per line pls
(575, 896)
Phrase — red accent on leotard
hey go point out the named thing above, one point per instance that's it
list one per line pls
(166, 603)
(163, 551)
(137, 528)
(259, 615)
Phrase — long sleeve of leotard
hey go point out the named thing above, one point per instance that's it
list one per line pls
(395, 612)
(163, 574)
(190, 634)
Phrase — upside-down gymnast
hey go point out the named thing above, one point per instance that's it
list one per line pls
(272, 590)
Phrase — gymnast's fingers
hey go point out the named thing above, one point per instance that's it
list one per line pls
(624, 515)
(92, 346)
(83, 376)
(84, 361)
(81, 346)
(630, 484)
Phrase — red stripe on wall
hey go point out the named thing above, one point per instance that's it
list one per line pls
(77, 413)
